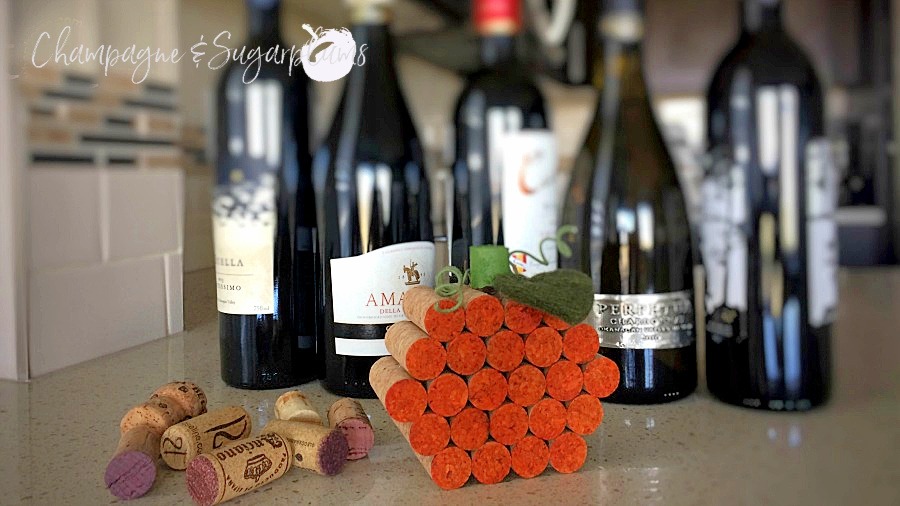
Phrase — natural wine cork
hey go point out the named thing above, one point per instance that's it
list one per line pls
(418, 305)
(447, 394)
(564, 380)
(584, 414)
(530, 456)
(581, 343)
(203, 434)
(509, 424)
(429, 434)
(469, 429)
(520, 318)
(543, 347)
(188, 395)
(349, 416)
(238, 468)
(505, 350)
(316, 447)
(423, 357)
(484, 313)
(466, 354)
(294, 405)
(547, 418)
(132, 469)
(490, 463)
(158, 414)
(568, 452)
(404, 398)
(487, 389)
(527, 385)
(601, 376)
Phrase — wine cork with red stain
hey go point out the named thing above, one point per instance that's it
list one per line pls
(487, 389)
(294, 405)
(601, 376)
(238, 468)
(418, 306)
(484, 313)
(509, 424)
(584, 414)
(527, 385)
(132, 469)
(568, 452)
(555, 323)
(491, 463)
(520, 318)
(349, 416)
(581, 343)
(403, 397)
(530, 456)
(203, 434)
(564, 380)
(450, 468)
(547, 419)
(466, 354)
(316, 447)
(422, 356)
(505, 350)
(543, 347)
(469, 429)
(447, 394)
(188, 395)
(158, 414)
(429, 434)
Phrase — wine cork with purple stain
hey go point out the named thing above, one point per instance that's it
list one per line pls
(296, 406)
(316, 447)
(349, 416)
(203, 434)
(238, 468)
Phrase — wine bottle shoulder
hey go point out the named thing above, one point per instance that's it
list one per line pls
(768, 59)
(494, 88)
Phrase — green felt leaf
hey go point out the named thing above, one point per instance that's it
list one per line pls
(565, 293)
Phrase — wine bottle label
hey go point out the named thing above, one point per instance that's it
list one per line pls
(649, 321)
(368, 289)
(821, 233)
(244, 224)
(529, 199)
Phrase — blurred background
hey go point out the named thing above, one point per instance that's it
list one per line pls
(105, 184)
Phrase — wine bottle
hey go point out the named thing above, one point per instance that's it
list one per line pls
(634, 230)
(262, 160)
(505, 168)
(768, 236)
(373, 209)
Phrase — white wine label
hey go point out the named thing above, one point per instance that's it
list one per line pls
(368, 289)
(529, 198)
(650, 321)
(821, 233)
(244, 225)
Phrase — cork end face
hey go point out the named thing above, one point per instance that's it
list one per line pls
(130, 475)
(360, 437)
(333, 453)
(202, 481)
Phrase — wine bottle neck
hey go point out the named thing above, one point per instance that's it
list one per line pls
(263, 20)
(379, 66)
(761, 15)
(497, 50)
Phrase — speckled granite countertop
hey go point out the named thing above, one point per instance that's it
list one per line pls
(57, 432)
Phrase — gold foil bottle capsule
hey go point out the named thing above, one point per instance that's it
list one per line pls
(203, 434)
(294, 405)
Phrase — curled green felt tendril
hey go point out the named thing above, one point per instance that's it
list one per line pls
(564, 249)
(450, 289)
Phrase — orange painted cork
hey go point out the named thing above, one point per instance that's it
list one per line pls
(469, 429)
(466, 354)
(450, 468)
(568, 452)
(418, 305)
(422, 356)
(543, 347)
(584, 414)
(564, 380)
(601, 376)
(491, 463)
(527, 385)
(447, 394)
(509, 424)
(581, 343)
(505, 350)
(530, 456)
(487, 389)
(403, 397)
(429, 434)
(547, 419)
(349, 416)
(520, 318)
(555, 323)
(484, 313)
